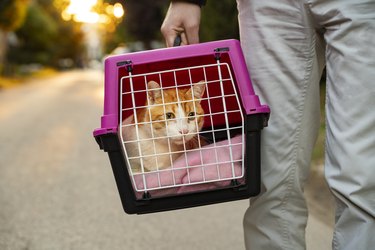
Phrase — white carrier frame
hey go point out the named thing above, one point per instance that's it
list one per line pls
(227, 127)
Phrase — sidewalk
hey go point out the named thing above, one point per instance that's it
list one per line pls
(318, 235)
(320, 202)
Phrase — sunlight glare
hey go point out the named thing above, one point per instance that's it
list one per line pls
(118, 11)
(82, 11)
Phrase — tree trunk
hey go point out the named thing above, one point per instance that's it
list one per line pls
(3, 49)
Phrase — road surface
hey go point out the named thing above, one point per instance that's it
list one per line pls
(57, 189)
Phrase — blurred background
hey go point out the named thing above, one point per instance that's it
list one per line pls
(57, 189)
(55, 35)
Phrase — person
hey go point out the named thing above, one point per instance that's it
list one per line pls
(287, 44)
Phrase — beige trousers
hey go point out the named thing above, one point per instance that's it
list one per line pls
(287, 43)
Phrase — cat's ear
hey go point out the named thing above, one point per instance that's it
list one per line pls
(198, 89)
(154, 91)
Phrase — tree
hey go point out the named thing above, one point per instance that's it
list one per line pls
(12, 16)
(35, 38)
(143, 20)
(219, 21)
(69, 41)
(45, 38)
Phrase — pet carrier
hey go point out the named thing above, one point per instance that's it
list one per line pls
(182, 126)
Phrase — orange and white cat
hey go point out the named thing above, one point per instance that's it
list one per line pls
(167, 126)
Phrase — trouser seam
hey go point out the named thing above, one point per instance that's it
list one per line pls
(292, 176)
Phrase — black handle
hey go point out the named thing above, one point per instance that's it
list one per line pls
(177, 41)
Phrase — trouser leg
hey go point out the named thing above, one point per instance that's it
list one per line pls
(350, 108)
(285, 62)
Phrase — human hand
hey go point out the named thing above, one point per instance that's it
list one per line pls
(181, 19)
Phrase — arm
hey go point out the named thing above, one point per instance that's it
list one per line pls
(182, 18)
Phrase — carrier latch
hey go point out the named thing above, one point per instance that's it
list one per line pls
(219, 51)
(128, 64)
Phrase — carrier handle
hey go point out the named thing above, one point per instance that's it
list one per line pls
(177, 41)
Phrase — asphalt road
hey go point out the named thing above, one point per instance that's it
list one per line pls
(57, 189)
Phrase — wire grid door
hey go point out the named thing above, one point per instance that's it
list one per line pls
(206, 118)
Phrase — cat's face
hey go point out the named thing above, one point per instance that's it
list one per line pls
(177, 115)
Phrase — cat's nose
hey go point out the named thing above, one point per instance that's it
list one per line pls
(183, 131)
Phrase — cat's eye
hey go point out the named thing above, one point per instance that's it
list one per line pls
(191, 116)
(169, 115)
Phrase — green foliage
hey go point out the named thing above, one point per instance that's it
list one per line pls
(45, 38)
(35, 38)
(111, 41)
(12, 14)
(69, 40)
(219, 20)
(143, 20)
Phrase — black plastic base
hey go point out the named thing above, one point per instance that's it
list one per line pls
(111, 144)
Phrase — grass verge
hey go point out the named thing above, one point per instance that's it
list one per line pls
(10, 82)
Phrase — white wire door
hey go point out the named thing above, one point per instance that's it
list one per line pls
(181, 128)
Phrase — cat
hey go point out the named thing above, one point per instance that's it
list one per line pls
(174, 120)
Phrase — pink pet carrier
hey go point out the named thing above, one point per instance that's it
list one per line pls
(224, 162)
